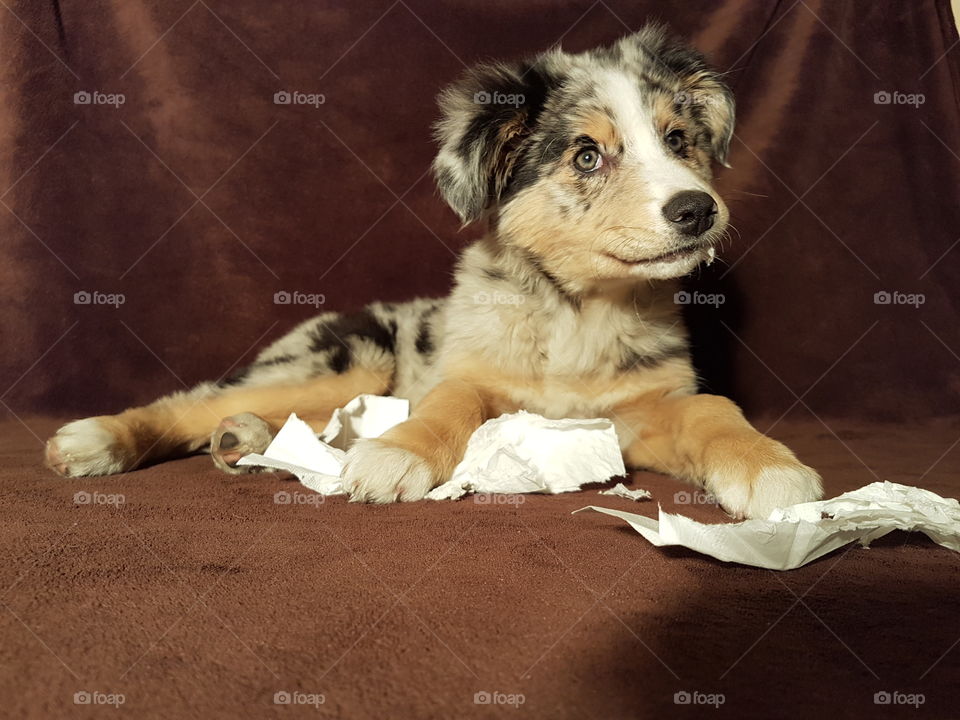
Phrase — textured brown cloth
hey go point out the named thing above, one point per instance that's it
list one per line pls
(201, 596)
(198, 198)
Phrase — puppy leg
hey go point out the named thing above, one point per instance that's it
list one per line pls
(411, 459)
(183, 423)
(706, 440)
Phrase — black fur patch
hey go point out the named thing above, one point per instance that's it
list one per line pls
(525, 175)
(551, 279)
(340, 360)
(540, 157)
(235, 378)
(279, 360)
(338, 335)
(633, 360)
(424, 342)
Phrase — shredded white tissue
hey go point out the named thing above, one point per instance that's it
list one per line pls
(297, 450)
(621, 490)
(798, 534)
(366, 416)
(527, 453)
(518, 453)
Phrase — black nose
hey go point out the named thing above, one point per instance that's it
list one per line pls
(692, 212)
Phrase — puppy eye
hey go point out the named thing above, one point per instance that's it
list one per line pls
(588, 160)
(676, 141)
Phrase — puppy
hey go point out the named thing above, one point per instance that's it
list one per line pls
(592, 171)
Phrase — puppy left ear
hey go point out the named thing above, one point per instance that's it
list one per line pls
(677, 65)
(486, 117)
(714, 107)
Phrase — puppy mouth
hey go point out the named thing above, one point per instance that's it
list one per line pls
(682, 253)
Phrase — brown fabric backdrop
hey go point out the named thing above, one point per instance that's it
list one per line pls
(199, 198)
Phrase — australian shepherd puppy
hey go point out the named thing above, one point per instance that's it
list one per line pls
(593, 174)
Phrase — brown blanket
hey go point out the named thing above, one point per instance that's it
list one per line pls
(196, 594)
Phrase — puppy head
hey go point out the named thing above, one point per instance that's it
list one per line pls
(596, 164)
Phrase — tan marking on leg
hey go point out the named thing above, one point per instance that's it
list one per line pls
(441, 424)
(177, 425)
(706, 440)
(411, 459)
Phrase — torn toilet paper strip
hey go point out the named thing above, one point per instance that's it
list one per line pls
(317, 462)
(297, 450)
(366, 416)
(621, 490)
(518, 453)
(528, 453)
(798, 534)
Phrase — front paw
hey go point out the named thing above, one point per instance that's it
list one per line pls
(754, 484)
(88, 447)
(377, 472)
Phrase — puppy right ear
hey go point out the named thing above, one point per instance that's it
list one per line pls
(486, 117)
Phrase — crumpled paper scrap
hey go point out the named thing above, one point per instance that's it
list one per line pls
(517, 453)
(317, 462)
(528, 453)
(796, 535)
(621, 490)
(366, 416)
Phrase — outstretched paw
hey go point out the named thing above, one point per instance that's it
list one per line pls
(376, 472)
(87, 447)
(749, 491)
